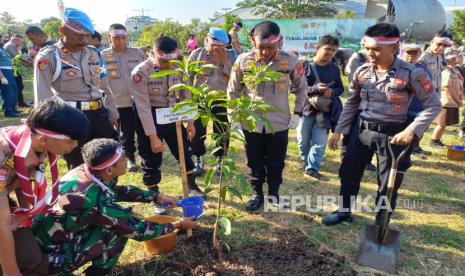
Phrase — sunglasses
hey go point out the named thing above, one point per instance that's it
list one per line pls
(442, 44)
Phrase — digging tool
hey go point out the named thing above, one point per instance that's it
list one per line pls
(380, 246)
(182, 165)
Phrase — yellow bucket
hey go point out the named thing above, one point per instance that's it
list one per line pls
(163, 243)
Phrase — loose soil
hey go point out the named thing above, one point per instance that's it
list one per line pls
(289, 256)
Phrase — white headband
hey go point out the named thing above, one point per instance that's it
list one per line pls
(118, 32)
(379, 40)
(111, 161)
(173, 55)
(51, 134)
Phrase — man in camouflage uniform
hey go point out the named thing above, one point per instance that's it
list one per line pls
(120, 60)
(266, 148)
(90, 225)
(72, 70)
(214, 53)
(382, 91)
(51, 129)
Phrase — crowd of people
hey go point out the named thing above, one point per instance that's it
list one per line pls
(98, 107)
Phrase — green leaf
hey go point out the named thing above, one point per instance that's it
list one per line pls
(208, 176)
(225, 225)
(235, 192)
(243, 183)
(163, 73)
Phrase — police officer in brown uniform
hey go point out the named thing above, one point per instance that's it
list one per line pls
(72, 71)
(265, 149)
(149, 94)
(120, 60)
(214, 53)
(433, 58)
(382, 90)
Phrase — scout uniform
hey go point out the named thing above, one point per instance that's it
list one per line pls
(90, 225)
(265, 149)
(150, 94)
(215, 79)
(383, 99)
(119, 67)
(18, 159)
(77, 79)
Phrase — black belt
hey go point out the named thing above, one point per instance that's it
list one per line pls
(383, 128)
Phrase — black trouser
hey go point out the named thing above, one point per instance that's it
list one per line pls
(151, 161)
(266, 153)
(359, 152)
(348, 139)
(20, 85)
(198, 142)
(101, 127)
(127, 128)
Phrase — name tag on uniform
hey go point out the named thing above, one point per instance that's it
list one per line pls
(168, 115)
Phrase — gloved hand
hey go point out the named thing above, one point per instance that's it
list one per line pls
(294, 122)
(4, 81)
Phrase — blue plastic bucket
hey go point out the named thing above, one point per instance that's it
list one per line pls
(457, 147)
(191, 206)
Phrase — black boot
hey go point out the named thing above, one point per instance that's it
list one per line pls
(337, 217)
(254, 203)
(92, 271)
(195, 189)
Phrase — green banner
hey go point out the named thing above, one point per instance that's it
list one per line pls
(303, 34)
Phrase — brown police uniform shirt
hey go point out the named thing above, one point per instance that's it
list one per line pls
(384, 98)
(119, 67)
(216, 79)
(272, 93)
(79, 78)
(435, 64)
(152, 92)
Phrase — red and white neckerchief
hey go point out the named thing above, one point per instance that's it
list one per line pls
(104, 165)
(19, 140)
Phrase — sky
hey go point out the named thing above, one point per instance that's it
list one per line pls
(105, 12)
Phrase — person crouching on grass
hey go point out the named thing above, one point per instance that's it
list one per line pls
(91, 226)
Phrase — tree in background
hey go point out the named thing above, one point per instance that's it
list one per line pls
(50, 27)
(458, 24)
(9, 23)
(229, 20)
(289, 9)
(173, 29)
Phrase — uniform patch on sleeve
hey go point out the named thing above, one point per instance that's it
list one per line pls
(300, 68)
(427, 85)
(137, 78)
(42, 64)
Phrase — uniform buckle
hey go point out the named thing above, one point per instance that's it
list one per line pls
(94, 105)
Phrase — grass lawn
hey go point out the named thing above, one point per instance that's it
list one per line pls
(430, 215)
